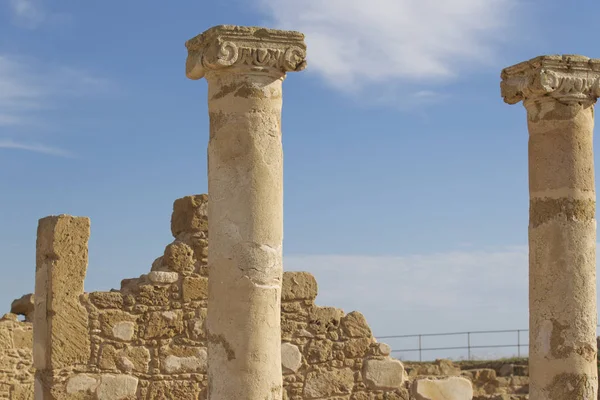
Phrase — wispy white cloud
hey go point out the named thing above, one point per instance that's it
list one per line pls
(29, 86)
(355, 44)
(28, 13)
(34, 147)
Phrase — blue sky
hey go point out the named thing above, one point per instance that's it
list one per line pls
(405, 173)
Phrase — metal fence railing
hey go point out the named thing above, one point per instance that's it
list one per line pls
(520, 344)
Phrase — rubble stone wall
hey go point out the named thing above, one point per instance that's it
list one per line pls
(148, 339)
(16, 360)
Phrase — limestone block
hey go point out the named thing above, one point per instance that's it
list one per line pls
(116, 322)
(172, 389)
(321, 384)
(134, 358)
(23, 306)
(319, 351)
(355, 325)
(104, 300)
(323, 319)
(190, 214)
(194, 288)
(196, 362)
(153, 295)
(357, 348)
(298, 286)
(454, 388)
(23, 337)
(123, 330)
(383, 374)
(163, 276)
(117, 387)
(197, 241)
(81, 383)
(383, 349)
(291, 358)
(160, 324)
(179, 257)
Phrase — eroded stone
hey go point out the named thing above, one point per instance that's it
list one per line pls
(454, 388)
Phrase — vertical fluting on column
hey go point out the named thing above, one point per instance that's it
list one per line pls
(559, 93)
(245, 68)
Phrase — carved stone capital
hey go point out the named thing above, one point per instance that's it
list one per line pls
(567, 78)
(252, 48)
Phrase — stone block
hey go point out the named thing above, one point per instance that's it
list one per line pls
(454, 388)
(171, 389)
(319, 351)
(357, 348)
(355, 325)
(117, 324)
(194, 288)
(23, 337)
(179, 257)
(23, 306)
(321, 384)
(324, 319)
(298, 286)
(105, 300)
(383, 374)
(163, 277)
(186, 360)
(81, 383)
(117, 387)
(190, 214)
(163, 324)
(291, 358)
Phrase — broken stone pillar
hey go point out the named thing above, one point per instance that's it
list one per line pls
(60, 322)
(245, 68)
(559, 93)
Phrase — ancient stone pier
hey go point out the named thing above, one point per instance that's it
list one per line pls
(60, 322)
(245, 68)
(559, 93)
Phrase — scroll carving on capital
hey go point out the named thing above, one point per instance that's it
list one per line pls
(253, 48)
(565, 78)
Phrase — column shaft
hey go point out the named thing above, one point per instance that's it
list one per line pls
(245, 68)
(562, 251)
(559, 93)
(245, 186)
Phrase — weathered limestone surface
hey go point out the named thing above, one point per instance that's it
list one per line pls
(245, 68)
(16, 358)
(60, 334)
(149, 341)
(559, 93)
(454, 388)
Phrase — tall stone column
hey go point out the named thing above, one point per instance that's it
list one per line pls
(245, 68)
(559, 93)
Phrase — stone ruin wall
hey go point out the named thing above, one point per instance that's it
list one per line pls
(148, 340)
(16, 358)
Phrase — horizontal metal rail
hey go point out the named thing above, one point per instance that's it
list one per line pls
(468, 346)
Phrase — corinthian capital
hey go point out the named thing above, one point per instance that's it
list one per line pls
(254, 48)
(567, 78)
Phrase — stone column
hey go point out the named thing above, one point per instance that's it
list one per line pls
(245, 68)
(559, 93)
